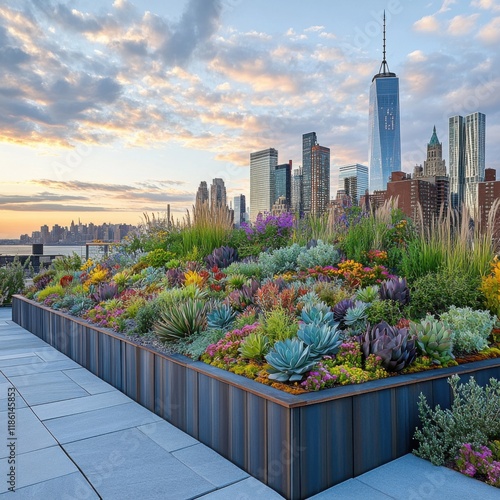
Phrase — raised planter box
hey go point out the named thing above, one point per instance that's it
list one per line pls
(298, 445)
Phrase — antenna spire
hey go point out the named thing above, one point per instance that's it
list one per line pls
(384, 66)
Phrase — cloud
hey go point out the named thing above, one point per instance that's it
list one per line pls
(462, 25)
(40, 197)
(427, 24)
(490, 33)
(314, 29)
(493, 5)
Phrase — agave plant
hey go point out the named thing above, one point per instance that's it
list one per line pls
(222, 257)
(395, 289)
(324, 340)
(289, 360)
(393, 345)
(222, 317)
(340, 309)
(105, 291)
(181, 320)
(319, 314)
(433, 339)
(355, 319)
(368, 294)
(255, 346)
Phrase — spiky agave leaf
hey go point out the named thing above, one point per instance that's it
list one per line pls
(181, 320)
(324, 340)
(221, 317)
(395, 289)
(434, 340)
(319, 314)
(289, 360)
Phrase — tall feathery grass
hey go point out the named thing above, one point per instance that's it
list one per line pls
(208, 228)
(315, 227)
(369, 231)
(453, 242)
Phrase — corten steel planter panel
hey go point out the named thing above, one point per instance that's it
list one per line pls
(298, 445)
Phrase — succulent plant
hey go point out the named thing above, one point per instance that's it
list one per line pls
(255, 346)
(181, 320)
(356, 313)
(433, 339)
(222, 257)
(340, 309)
(323, 339)
(289, 359)
(175, 277)
(395, 289)
(105, 291)
(368, 294)
(222, 317)
(393, 345)
(318, 314)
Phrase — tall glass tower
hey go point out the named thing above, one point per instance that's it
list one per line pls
(308, 141)
(262, 181)
(384, 131)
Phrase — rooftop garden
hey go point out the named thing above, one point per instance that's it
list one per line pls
(301, 305)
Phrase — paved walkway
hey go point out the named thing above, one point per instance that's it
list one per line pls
(76, 437)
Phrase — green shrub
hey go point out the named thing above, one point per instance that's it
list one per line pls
(158, 257)
(67, 263)
(11, 280)
(474, 417)
(278, 325)
(323, 254)
(247, 269)
(279, 260)
(435, 292)
(194, 347)
(331, 293)
(146, 317)
(470, 329)
(50, 290)
(384, 310)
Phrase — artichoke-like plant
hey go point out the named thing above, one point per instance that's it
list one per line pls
(289, 360)
(434, 340)
(323, 339)
(222, 257)
(181, 320)
(340, 309)
(105, 291)
(319, 314)
(393, 345)
(222, 317)
(255, 346)
(395, 289)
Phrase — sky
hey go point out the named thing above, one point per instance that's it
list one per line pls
(112, 109)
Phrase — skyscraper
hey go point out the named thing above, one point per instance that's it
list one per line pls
(239, 210)
(262, 188)
(457, 160)
(434, 166)
(320, 179)
(384, 129)
(201, 194)
(308, 141)
(467, 159)
(297, 191)
(283, 183)
(355, 189)
(218, 193)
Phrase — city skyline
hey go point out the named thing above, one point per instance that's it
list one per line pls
(118, 108)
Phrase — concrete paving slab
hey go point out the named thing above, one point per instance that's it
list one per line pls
(43, 367)
(352, 489)
(37, 466)
(71, 486)
(210, 465)
(98, 422)
(248, 489)
(88, 381)
(80, 405)
(127, 464)
(410, 477)
(46, 387)
(11, 356)
(167, 436)
(30, 434)
(19, 361)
